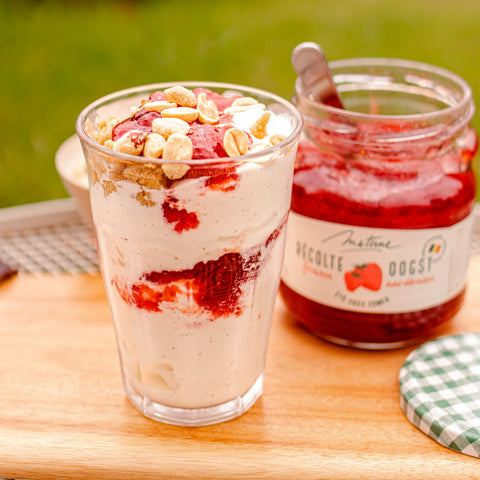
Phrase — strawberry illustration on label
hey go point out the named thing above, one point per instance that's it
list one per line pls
(372, 276)
(368, 276)
(353, 279)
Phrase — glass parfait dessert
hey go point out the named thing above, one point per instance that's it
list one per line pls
(190, 188)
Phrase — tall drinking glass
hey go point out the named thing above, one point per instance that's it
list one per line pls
(191, 266)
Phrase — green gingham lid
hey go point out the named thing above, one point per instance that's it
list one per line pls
(440, 391)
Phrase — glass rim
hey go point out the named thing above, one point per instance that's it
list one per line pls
(249, 157)
(465, 103)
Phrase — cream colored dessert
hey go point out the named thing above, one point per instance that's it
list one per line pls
(228, 341)
(191, 252)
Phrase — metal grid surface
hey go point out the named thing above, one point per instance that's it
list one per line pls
(50, 237)
(53, 249)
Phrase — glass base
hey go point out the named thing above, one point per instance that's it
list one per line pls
(370, 345)
(194, 417)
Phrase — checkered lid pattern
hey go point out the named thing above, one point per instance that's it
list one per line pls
(440, 391)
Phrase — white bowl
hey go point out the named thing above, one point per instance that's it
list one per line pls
(71, 167)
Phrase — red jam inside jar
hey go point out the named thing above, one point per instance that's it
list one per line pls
(383, 195)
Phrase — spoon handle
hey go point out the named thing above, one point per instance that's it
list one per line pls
(311, 66)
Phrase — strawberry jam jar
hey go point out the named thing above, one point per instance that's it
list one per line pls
(378, 236)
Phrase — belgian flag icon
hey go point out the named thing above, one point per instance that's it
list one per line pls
(435, 248)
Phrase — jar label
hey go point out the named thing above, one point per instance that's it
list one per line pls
(375, 270)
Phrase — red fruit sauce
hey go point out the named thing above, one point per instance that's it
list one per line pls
(181, 218)
(335, 188)
(215, 285)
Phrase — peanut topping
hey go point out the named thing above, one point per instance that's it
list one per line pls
(158, 106)
(178, 147)
(174, 125)
(175, 171)
(277, 138)
(168, 126)
(181, 95)
(241, 108)
(235, 142)
(244, 102)
(184, 113)
(259, 128)
(154, 144)
(105, 130)
(131, 142)
(207, 110)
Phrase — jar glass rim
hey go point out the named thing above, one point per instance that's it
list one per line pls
(464, 104)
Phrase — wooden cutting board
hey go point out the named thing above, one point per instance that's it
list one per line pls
(327, 412)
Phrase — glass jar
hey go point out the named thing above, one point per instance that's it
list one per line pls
(382, 206)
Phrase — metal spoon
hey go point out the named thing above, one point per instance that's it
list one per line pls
(311, 66)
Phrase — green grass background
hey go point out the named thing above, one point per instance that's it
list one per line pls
(58, 56)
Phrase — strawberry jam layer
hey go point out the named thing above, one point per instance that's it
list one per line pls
(214, 287)
(381, 193)
(394, 194)
(181, 218)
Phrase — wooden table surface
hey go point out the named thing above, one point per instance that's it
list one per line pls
(327, 412)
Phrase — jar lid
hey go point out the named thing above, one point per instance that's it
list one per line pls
(440, 391)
